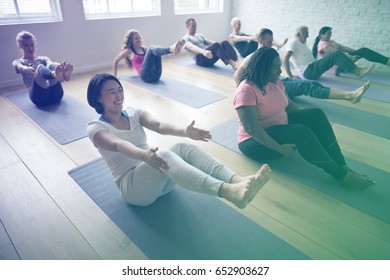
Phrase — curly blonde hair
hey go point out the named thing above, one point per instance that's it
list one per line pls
(128, 44)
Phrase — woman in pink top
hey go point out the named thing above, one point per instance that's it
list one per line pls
(323, 45)
(147, 62)
(271, 126)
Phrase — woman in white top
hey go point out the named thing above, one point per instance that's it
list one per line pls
(143, 173)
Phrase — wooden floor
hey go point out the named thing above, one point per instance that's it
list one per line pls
(44, 214)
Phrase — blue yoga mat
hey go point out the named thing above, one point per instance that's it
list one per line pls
(375, 91)
(374, 201)
(65, 122)
(359, 119)
(374, 76)
(182, 224)
(218, 67)
(188, 94)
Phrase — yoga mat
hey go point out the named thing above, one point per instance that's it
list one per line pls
(182, 224)
(374, 76)
(362, 120)
(374, 201)
(65, 122)
(375, 91)
(185, 93)
(218, 67)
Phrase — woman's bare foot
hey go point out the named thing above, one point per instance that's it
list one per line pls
(362, 71)
(355, 181)
(176, 48)
(68, 71)
(243, 192)
(358, 93)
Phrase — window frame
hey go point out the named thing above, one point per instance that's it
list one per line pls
(55, 16)
(206, 10)
(112, 15)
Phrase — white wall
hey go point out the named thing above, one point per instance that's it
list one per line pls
(93, 44)
(355, 23)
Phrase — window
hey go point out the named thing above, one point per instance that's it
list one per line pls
(29, 11)
(198, 6)
(101, 9)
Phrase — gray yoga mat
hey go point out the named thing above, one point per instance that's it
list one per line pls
(188, 94)
(374, 201)
(374, 76)
(182, 224)
(358, 119)
(65, 122)
(218, 67)
(376, 91)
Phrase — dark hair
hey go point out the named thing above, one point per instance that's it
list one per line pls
(95, 87)
(259, 67)
(263, 32)
(323, 30)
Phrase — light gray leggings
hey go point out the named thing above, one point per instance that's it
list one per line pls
(189, 167)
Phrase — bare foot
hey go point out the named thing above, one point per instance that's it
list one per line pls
(176, 48)
(364, 70)
(59, 73)
(355, 181)
(68, 71)
(358, 93)
(240, 194)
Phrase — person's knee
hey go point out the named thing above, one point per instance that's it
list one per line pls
(318, 113)
(181, 147)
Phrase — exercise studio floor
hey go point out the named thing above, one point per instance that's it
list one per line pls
(45, 214)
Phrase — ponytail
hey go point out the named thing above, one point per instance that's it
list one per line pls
(314, 51)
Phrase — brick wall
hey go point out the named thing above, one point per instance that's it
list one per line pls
(355, 23)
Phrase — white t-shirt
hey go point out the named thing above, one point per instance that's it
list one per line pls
(117, 162)
(301, 55)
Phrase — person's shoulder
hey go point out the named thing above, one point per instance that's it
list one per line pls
(18, 61)
(134, 112)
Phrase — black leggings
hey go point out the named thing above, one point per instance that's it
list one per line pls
(221, 50)
(370, 55)
(310, 130)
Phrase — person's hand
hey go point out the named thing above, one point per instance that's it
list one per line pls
(288, 149)
(207, 54)
(28, 69)
(196, 133)
(155, 160)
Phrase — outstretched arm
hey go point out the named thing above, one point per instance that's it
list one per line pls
(110, 142)
(154, 124)
(239, 38)
(195, 49)
(280, 45)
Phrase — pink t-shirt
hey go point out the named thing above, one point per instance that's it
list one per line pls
(271, 107)
(323, 44)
